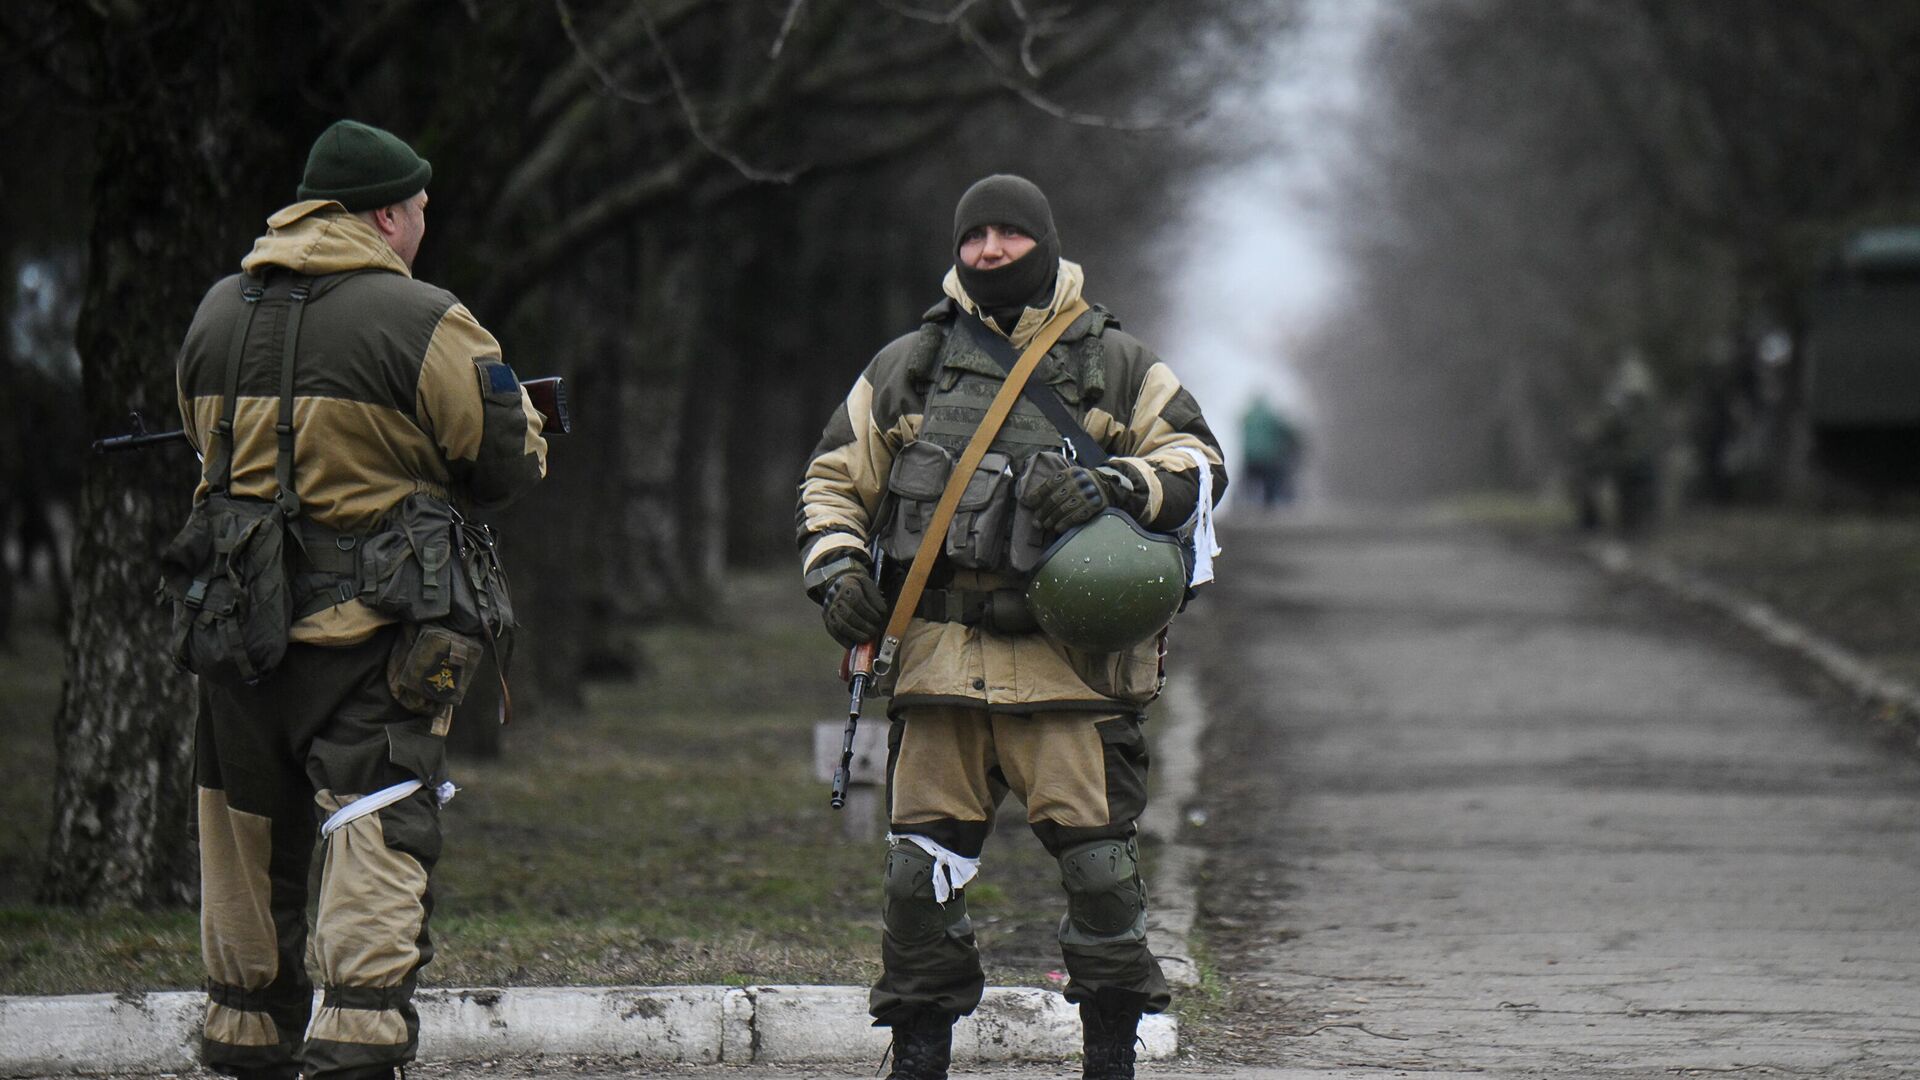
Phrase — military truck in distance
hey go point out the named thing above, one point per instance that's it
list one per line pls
(1863, 362)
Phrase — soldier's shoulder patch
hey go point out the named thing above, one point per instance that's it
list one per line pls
(500, 378)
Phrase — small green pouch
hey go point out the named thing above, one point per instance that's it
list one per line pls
(431, 667)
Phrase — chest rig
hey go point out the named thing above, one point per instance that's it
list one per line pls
(992, 531)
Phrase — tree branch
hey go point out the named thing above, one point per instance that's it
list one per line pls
(950, 17)
(581, 229)
(692, 118)
(786, 27)
(1032, 95)
(608, 84)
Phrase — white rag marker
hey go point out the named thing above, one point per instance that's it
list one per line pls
(951, 871)
(1205, 544)
(385, 797)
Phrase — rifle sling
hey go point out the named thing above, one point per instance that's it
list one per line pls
(1085, 450)
(935, 537)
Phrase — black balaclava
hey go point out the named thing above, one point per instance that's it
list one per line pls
(1005, 291)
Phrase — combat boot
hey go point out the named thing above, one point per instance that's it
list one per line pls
(1109, 1026)
(922, 1048)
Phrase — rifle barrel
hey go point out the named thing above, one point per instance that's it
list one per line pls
(117, 443)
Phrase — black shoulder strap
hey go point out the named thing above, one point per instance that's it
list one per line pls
(1086, 451)
(219, 471)
(219, 466)
(286, 497)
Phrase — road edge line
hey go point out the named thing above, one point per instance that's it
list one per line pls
(1897, 701)
(1173, 892)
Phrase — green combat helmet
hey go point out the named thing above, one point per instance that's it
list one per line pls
(1108, 585)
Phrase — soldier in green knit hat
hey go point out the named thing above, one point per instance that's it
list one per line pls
(395, 392)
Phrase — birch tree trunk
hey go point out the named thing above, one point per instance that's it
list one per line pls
(169, 145)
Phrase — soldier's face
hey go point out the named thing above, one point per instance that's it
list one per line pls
(410, 227)
(991, 246)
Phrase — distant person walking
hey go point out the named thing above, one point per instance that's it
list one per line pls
(1618, 454)
(1271, 450)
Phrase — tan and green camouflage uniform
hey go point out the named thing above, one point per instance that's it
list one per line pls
(397, 390)
(977, 712)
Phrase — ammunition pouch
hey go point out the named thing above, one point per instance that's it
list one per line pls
(225, 574)
(1001, 611)
(440, 574)
(425, 564)
(992, 529)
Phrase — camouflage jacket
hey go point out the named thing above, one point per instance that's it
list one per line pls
(1122, 394)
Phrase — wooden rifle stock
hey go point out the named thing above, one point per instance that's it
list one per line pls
(857, 668)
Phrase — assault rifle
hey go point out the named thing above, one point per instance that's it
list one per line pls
(549, 397)
(857, 669)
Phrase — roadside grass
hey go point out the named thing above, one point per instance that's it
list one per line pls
(1504, 510)
(1852, 577)
(670, 833)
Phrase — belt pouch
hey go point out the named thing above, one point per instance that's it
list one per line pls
(431, 667)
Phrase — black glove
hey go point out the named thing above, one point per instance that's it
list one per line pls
(855, 610)
(1074, 496)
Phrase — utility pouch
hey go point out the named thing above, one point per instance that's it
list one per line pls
(919, 476)
(424, 563)
(431, 667)
(1027, 542)
(406, 565)
(977, 536)
(225, 574)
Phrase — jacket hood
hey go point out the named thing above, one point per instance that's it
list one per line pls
(319, 237)
(1067, 285)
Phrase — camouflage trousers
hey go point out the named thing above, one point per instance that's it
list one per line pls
(1083, 778)
(271, 763)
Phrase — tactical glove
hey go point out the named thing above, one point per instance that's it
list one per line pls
(1076, 495)
(855, 610)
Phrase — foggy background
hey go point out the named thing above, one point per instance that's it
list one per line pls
(1430, 233)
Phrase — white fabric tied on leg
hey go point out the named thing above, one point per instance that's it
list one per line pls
(1205, 544)
(385, 797)
(951, 871)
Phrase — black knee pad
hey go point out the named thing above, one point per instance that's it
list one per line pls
(908, 908)
(1106, 900)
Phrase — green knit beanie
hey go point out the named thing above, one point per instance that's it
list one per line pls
(362, 167)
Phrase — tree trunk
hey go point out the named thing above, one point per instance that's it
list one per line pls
(163, 227)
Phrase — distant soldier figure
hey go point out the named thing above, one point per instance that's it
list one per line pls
(326, 381)
(1015, 673)
(1618, 452)
(1270, 449)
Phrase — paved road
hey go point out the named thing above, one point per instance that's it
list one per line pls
(1493, 812)
(1475, 811)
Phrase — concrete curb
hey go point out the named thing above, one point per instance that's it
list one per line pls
(158, 1032)
(1174, 890)
(1899, 700)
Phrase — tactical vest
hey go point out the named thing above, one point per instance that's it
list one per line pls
(992, 529)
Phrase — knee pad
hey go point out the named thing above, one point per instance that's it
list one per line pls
(908, 907)
(1106, 900)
